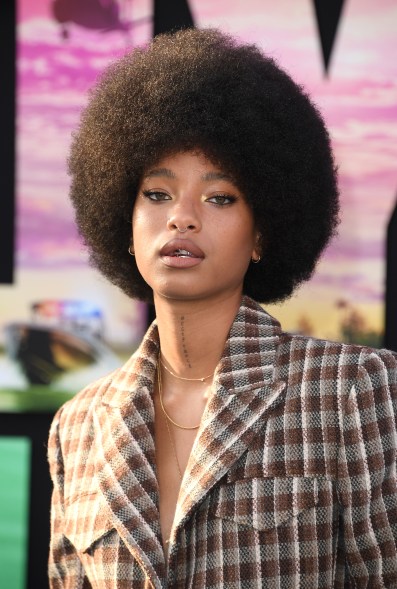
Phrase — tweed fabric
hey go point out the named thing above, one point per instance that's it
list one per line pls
(291, 482)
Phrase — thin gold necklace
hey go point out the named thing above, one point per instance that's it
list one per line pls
(182, 377)
(162, 404)
(175, 456)
(173, 447)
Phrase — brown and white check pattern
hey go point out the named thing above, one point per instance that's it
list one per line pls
(291, 483)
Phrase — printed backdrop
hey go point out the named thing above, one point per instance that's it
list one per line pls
(82, 325)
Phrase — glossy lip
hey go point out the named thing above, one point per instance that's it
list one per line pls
(166, 253)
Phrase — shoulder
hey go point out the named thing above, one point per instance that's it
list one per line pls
(299, 358)
(84, 401)
(328, 360)
(76, 415)
(73, 421)
(379, 360)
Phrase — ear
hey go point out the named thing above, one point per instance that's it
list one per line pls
(131, 250)
(258, 247)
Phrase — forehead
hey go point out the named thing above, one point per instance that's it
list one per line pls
(188, 163)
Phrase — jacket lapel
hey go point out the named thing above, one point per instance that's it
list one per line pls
(245, 391)
(126, 459)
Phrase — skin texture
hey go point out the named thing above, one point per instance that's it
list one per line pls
(187, 191)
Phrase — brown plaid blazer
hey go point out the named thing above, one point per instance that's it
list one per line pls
(291, 481)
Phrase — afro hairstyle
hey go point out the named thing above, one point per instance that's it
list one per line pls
(203, 90)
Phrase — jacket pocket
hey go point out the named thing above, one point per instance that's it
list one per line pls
(266, 503)
(86, 521)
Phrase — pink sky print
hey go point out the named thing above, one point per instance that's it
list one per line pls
(53, 78)
(358, 100)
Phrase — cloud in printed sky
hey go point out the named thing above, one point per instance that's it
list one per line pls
(53, 79)
(349, 282)
(59, 245)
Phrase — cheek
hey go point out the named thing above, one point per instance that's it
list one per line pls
(137, 215)
(141, 225)
(243, 237)
(139, 236)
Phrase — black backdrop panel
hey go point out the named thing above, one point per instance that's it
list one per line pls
(7, 141)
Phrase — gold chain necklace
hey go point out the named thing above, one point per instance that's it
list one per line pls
(175, 456)
(162, 404)
(173, 447)
(182, 377)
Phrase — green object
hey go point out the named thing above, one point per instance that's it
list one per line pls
(36, 398)
(14, 510)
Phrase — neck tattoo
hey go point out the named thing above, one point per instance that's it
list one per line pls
(184, 348)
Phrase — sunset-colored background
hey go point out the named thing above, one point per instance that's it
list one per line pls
(345, 299)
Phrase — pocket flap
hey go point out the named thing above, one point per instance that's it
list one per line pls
(266, 503)
(86, 521)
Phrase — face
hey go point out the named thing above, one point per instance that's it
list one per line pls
(193, 231)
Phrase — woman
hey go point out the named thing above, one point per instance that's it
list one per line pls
(225, 452)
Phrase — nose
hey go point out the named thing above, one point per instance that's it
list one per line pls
(184, 217)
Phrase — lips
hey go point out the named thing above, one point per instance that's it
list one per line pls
(181, 248)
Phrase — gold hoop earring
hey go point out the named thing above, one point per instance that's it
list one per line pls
(130, 252)
(256, 261)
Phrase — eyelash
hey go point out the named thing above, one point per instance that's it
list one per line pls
(153, 195)
(226, 197)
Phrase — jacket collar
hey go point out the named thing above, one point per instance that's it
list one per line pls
(248, 358)
(247, 361)
(244, 390)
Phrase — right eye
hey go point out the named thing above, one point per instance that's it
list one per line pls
(156, 195)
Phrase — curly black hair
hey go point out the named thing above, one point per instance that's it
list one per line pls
(201, 89)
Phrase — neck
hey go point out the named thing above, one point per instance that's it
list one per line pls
(193, 334)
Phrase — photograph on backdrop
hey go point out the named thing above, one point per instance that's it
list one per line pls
(60, 324)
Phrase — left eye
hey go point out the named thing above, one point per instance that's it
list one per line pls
(156, 195)
(221, 199)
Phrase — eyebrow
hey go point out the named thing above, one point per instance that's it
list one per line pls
(167, 173)
(216, 176)
(156, 172)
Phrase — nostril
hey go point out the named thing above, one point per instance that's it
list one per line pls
(182, 224)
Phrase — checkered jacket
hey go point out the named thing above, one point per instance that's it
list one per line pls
(291, 482)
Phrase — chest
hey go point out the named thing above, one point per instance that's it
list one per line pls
(173, 447)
